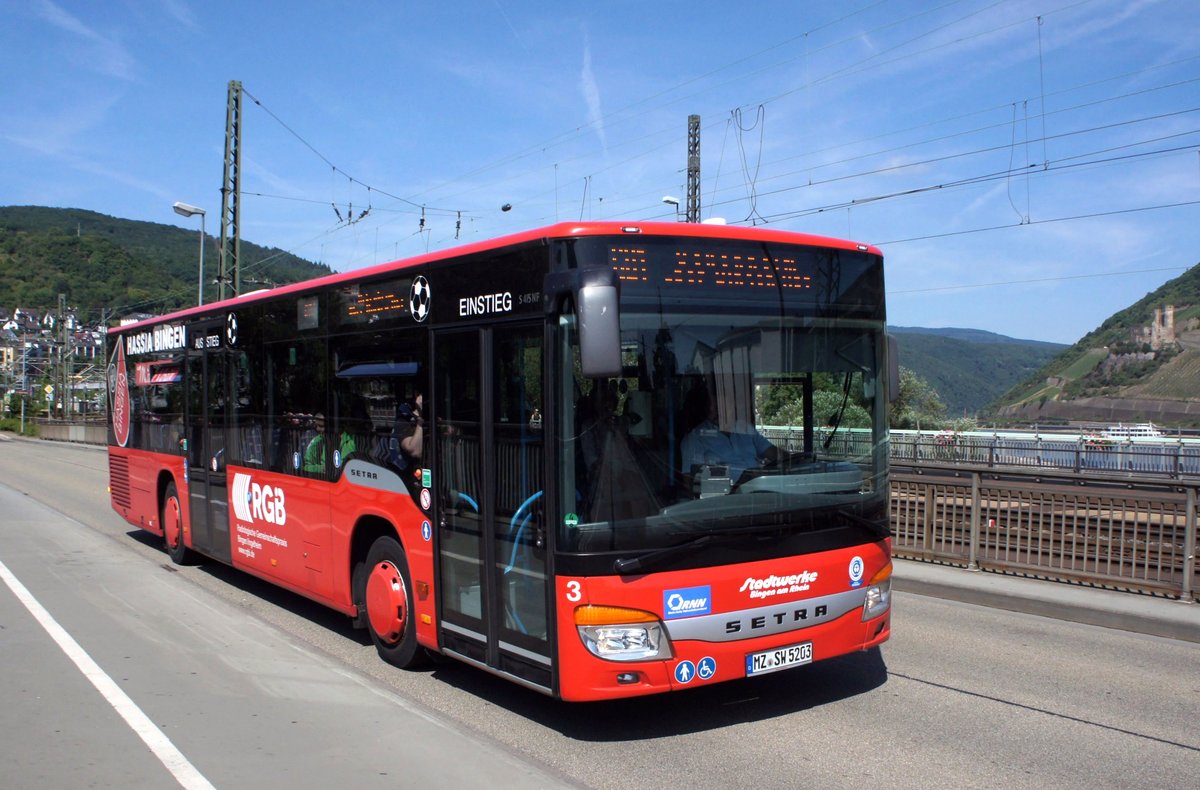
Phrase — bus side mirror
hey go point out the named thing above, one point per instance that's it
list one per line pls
(596, 298)
(599, 331)
(893, 363)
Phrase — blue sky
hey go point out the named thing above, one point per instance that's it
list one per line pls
(1027, 167)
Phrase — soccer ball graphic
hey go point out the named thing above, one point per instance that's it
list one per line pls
(231, 329)
(419, 298)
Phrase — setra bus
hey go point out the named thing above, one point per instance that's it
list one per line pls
(539, 454)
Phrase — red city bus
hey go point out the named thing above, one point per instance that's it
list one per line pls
(600, 460)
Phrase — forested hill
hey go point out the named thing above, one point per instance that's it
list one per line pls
(117, 265)
(969, 368)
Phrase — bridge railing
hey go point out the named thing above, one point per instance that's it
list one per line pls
(1135, 534)
(1175, 459)
(1164, 457)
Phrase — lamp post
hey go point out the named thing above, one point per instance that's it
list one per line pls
(672, 201)
(185, 210)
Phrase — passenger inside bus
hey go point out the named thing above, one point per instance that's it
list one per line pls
(409, 434)
(314, 453)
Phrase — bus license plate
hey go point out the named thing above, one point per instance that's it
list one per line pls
(779, 658)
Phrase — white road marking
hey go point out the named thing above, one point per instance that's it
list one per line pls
(179, 766)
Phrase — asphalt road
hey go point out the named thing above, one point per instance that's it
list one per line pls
(252, 685)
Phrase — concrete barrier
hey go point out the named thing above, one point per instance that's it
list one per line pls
(85, 433)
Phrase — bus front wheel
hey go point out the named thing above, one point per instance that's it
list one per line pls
(172, 526)
(386, 594)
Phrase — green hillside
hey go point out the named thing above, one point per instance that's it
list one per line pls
(980, 336)
(1115, 367)
(969, 368)
(119, 265)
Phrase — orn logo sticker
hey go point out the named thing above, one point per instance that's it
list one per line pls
(687, 602)
(119, 386)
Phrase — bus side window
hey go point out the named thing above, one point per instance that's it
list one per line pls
(295, 387)
(377, 384)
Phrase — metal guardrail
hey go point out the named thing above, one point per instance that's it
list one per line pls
(1175, 459)
(1170, 458)
(1135, 534)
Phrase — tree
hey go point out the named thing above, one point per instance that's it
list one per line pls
(918, 406)
(783, 404)
(827, 404)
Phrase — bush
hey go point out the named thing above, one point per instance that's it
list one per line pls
(13, 425)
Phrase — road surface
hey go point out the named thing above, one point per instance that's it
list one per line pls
(251, 684)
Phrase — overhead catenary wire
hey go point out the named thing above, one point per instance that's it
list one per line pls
(926, 141)
(610, 118)
(766, 176)
(927, 32)
(970, 180)
(712, 201)
(866, 63)
(337, 169)
(751, 178)
(1074, 218)
(961, 154)
(615, 115)
(1035, 280)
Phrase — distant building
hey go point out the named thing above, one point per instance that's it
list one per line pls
(133, 318)
(1161, 333)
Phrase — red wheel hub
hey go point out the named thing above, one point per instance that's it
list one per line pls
(387, 602)
(173, 523)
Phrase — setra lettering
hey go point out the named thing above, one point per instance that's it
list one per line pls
(797, 615)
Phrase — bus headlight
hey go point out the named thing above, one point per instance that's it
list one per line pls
(879, 594)
(615, 633)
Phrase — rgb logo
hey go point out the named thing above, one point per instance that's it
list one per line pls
(253, 501)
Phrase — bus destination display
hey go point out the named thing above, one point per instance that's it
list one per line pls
(710, 269)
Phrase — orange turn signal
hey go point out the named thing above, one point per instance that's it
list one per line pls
(611, 615)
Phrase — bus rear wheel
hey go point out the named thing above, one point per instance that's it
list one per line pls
(386, 595)
(171, 519)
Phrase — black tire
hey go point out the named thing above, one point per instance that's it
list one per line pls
(358, 586)
(385, 596)
(171, 519)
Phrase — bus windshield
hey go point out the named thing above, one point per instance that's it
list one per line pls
(764, 414)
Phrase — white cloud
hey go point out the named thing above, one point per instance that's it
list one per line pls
(181, 12)
(591, 94)
(103, 53)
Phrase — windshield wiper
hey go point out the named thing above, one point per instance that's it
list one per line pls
(837, 420)
(627, 565)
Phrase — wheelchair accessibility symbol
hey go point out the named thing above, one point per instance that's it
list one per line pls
(706, 668)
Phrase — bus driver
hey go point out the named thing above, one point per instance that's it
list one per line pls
(706, 444)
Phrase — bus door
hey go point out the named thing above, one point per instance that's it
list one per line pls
(208, 491)
(490, 478)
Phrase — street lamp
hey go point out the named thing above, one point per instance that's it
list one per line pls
(672, 201)
(184, 210)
